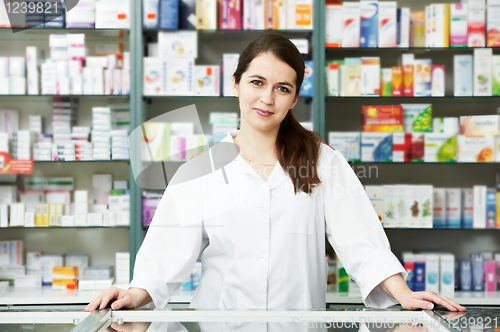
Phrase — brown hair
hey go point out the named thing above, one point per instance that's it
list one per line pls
(298, 147)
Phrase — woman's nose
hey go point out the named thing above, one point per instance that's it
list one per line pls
(267, 96)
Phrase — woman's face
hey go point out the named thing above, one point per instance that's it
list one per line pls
(266, 92)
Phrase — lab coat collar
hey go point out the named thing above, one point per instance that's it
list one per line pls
(277, 177)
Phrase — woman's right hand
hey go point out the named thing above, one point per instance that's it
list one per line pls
(117, 297)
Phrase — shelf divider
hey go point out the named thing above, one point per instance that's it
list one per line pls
(135, 121)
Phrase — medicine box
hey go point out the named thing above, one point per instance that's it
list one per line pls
(483, 72)
(351, 29)
(439, 147)
(439, 208)
(369, 24)
(306, 89)
(453, 207)
(347, 143)
(423, 78)
(178, 44)
(475, 149)
(480, 125)
(476, 20)
(382, 118)
(387, 29)
(376, 196)
(370, 76)
(458, 25)
(334, 25)
(206, 80)
(390, 205)
(376, 147)
(417, 118)
(462, 66)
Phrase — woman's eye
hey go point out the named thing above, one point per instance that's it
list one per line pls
(257, 82)
(283, 89)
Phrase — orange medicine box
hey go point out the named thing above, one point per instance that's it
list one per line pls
(64, 277)
(382, 118)
(397, 81)
(408, 77)
(63, 284)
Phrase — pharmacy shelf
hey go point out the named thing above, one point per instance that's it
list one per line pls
(441, 229)
(405, 49)
(92, 35)
(463, 298)
(50, 30)
(259, 32)
(81, 161)
(60, 227)
(419, 163)
(39, 37)
(46, 295)
(72, 96)
(413, 98)
(203, 97)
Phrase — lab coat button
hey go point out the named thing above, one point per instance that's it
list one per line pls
(262, 207)
(262, 257)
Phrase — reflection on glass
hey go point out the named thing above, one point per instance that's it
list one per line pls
(299, 326)
(484, 319)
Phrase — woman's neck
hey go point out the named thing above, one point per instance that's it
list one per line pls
(257, 145)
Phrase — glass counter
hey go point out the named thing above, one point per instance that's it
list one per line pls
(345, 318)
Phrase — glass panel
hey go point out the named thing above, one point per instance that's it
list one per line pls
(474, 319)
(263, 327)
(36, 327)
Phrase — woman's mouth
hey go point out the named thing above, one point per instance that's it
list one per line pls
(261, 112)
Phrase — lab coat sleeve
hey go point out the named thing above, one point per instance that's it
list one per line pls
(172, 244)
(354, 230)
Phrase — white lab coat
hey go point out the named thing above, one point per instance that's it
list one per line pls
(266, 245)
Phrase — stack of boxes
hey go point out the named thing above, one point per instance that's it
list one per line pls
(403, 206)
(354, 77)
(21, 144)
(34, 57)
(122, 267)
(101, 133)
(54, 14)
(150, 201)
(35, 124)
(227, 15)
(119, 145)
(473, 23)
(4, 142)
(63, 72)
(399, 206)
(82, 15)
(112, 14)
(444, 274)
(83, 148)
(4, 76)
(172, 71)
(409, 133)
(64, 117)
(64, 277)
(13, 76)
(81, 209)
(9, 121)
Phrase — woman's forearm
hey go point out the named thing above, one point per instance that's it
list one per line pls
(140, 296)
(395, 286)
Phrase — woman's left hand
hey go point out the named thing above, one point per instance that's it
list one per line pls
(426, 300)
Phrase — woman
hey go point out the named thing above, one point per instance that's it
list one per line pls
(266, 223)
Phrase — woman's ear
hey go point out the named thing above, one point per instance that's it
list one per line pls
(294, 102)
(235, 86)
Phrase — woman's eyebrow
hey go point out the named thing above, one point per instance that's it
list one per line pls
(262, 78)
